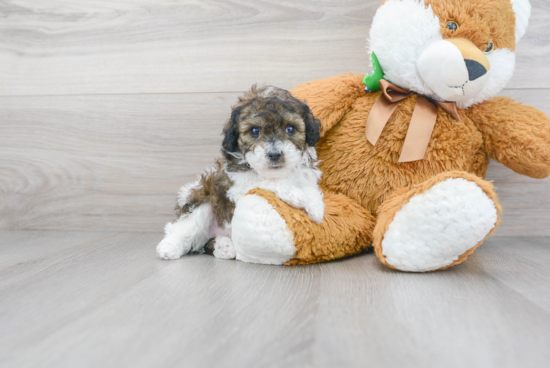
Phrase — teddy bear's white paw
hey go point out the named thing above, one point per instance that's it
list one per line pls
(170, 248)
(223, 248)
(436, 227)
(259, 233)
(316, 211)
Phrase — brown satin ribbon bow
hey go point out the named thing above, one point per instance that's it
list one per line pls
(421, 125)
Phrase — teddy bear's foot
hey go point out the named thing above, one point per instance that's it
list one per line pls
(436, 224)
(259, 233)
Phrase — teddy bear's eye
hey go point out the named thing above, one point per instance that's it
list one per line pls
(490, 47)
(452, 26)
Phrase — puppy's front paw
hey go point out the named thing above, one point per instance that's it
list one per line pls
(223, 248)
(316, 211)
(295, 198)
(169, 249)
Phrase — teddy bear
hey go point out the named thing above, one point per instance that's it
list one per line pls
(404, 151)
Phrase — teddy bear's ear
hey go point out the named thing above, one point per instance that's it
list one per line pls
(522, 8)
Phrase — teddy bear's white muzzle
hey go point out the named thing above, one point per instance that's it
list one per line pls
(455, 70)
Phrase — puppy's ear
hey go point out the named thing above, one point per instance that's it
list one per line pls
(313, 126)
(231, 132)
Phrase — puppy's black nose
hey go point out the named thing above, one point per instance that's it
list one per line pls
(274, 155)
(475, 69)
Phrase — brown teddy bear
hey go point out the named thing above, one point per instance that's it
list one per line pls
(403, 167)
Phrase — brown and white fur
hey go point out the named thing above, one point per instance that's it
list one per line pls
(269, 143)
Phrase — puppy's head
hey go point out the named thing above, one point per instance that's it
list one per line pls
(271, 130)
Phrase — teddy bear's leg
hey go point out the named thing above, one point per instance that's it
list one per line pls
(436, 224)
(267, 230)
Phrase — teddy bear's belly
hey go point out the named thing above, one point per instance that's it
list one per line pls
(369, 175)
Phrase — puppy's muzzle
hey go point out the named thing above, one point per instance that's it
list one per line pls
(274, 156)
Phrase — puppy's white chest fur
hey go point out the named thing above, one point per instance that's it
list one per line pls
(246, 181)
(299, 188)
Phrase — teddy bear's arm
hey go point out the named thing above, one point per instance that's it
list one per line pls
(330, 98)
(515, 135)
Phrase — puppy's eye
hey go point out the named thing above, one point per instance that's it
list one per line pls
(290, 130)
(255, 132)
(490, 47)
(452, 26)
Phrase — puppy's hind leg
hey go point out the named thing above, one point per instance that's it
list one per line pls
(187, 234)
(221, 247)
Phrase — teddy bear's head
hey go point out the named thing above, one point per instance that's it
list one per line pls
(449, 50)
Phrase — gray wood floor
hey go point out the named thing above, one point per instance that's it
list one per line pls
(102, 299)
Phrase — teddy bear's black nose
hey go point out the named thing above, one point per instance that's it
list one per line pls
(475, 69)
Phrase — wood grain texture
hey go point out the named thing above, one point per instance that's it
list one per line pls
(88, 162)
(151, 46)
(116, 162)
(105, 300)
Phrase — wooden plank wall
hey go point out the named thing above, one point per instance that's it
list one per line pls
(107, 107)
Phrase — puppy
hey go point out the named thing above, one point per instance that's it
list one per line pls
(269, 142)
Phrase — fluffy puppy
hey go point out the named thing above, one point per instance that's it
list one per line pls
(269, 142)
